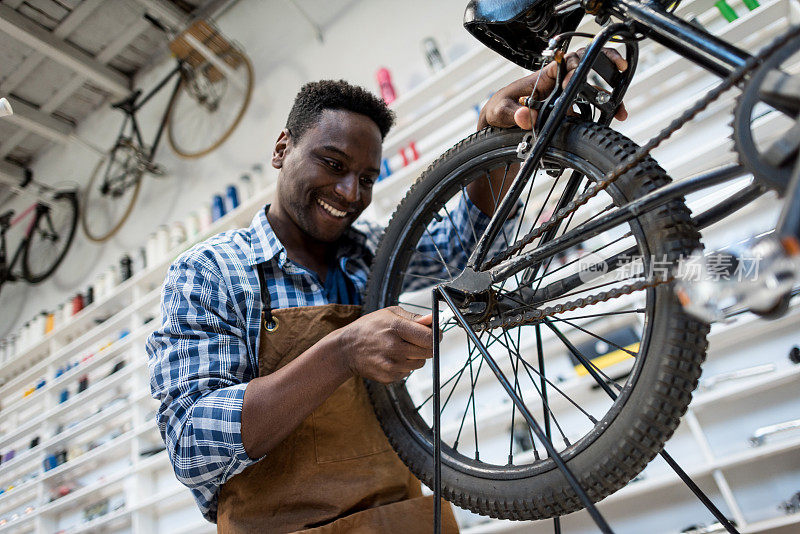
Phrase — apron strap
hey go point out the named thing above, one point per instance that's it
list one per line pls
(269, 322)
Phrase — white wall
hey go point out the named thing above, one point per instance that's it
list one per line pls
(359, 37)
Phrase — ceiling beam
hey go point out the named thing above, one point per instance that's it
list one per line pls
(73, 84)
(166, 12)
(28, 32)
(38, 122)
(11, 174)
(33, 60)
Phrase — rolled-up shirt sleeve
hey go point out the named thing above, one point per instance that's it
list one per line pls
(199, 369)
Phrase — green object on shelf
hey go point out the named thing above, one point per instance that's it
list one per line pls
(751, 4)
(727, 11)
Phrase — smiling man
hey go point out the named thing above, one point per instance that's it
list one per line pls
(259, 359)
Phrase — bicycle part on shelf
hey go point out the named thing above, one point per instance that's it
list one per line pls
(50, 236)
(713, 381)
(597, 447)
(766, 121)
(760, 435)
(210, 104)
(791, 505)
(113, 189)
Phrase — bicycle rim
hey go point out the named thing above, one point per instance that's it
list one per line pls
(112, 191)
(209, 107)
(50, 237)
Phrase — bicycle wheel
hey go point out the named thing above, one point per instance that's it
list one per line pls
(491, 462)
(50, 238)
(112, 192)
(209, 106)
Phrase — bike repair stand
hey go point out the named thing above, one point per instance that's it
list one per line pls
(439, 293)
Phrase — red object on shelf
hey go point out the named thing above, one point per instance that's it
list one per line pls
(77, 303)
(385, 83)
(414, 153)
(403, 155)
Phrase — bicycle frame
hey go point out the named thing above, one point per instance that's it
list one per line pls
(134, 106)
(695, 44)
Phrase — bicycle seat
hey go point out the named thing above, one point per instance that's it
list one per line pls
(518, 29)
(127, 103)
(5, 219)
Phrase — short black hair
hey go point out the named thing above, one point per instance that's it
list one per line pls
(314, 97)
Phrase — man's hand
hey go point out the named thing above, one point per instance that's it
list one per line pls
(503, 109)
(386, 345)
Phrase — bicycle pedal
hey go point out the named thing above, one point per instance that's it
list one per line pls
(155, 169)
(719, 285)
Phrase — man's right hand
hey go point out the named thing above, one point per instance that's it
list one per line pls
(386, 345)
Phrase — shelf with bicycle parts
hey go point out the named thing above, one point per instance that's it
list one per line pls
(61, 416)
(32, 335)
(68, 364)
(52, 435)
(103, 456)
(74, 381)
(163, 501)
(121, 301)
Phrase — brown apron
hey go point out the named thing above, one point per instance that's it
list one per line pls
(336, 472)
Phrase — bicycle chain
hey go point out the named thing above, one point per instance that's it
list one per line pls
(537, 314)
(534, 315)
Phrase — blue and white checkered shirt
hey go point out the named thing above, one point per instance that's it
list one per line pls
(205, 351)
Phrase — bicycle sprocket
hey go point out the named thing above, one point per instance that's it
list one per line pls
(770, 89)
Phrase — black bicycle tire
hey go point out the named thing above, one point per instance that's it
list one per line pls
(27, 271)
(634, 437)
(235, 124)
(85, 223)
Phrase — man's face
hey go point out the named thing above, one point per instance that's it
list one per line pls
(327, 175)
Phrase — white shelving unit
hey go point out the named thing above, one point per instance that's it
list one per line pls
(104, 429)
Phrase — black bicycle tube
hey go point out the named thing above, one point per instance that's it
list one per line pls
(788, 226)
(691, 42)
(157, 88)
(17, 254)
(729, 206)
(549, 130)
(623, 214)
(136, 131)
(437, 419)
(165, 118)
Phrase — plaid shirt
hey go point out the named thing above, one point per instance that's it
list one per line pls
(205, 351)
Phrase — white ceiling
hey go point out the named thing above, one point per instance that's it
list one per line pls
(62, 59)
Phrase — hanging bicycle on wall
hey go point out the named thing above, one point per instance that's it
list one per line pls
(213, 82)
(591, 238)
(51, 222)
